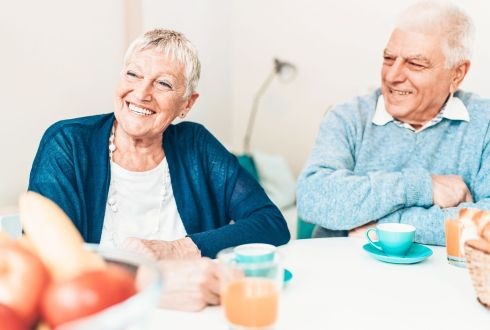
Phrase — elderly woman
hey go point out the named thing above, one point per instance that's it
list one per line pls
(132, 178)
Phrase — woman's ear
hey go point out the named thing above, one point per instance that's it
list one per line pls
(191, 100)
(188, 105)
(458, 74)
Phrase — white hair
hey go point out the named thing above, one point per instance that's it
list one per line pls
(452, 21)
(175, 45)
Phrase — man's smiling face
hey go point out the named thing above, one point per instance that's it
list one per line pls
(414, 78)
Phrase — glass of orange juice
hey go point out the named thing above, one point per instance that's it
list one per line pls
(454, 248)
(250, 291)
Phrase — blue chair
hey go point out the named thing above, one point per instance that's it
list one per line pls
(304, 229)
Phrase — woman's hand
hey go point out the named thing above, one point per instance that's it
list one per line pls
(189, 285)
(183, 248)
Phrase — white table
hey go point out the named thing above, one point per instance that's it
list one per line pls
(337, 285)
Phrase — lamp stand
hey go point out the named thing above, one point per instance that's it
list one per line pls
(253, 112)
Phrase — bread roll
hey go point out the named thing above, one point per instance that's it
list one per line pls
(481, 219)
(486, 232)
(466, 213)
(479, 244)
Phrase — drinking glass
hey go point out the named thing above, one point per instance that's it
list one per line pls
(454, 246)
(250, 291)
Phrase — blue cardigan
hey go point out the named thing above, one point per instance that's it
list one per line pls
(71, 168)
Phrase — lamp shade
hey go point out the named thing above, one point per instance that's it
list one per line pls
(285, 70)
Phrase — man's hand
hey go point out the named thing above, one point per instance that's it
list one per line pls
(449, 191)
(183, 248)
(189, 285)
(360, 232)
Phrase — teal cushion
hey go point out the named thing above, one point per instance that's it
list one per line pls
(247, 162)
(304, 229)
(276, 178)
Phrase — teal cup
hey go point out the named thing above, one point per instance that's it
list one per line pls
(254, 253)
(255, 258)
(394, 239)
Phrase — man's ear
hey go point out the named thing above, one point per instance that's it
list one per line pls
(458, 74)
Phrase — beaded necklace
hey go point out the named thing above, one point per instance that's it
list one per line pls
(113, 226)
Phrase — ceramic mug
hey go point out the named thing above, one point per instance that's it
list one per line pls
(254, 253)
(394, 239)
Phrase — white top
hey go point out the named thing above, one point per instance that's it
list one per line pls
(337, 285)
(142, 205)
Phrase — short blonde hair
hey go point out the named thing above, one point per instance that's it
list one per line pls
(177, 46)
(456, 25)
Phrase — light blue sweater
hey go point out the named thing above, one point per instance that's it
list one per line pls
(358, 172)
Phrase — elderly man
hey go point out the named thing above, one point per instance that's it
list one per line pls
(415, 151)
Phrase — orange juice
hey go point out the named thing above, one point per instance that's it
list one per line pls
(453, 232)
(457, 232)
(251, 302)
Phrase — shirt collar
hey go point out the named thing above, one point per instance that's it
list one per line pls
(454, 109)
(381, 116)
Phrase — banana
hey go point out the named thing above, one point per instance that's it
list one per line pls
(55, 239)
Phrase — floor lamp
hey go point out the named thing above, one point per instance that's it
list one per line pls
(285, 72)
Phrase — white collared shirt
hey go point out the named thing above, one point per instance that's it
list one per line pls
(454, 109)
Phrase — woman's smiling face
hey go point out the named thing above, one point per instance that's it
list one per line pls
(150, 94)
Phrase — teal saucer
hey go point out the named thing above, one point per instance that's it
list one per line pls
(287, 276)
(417, 253)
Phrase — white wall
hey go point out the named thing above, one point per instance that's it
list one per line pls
(337, 46)
(207, 24)
(59, 59)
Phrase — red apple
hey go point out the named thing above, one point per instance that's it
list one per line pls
(86, 294)
(9, 320)
(23, 278)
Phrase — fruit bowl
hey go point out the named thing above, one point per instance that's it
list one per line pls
(132, 312)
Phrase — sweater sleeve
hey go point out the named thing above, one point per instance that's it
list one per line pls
(332, 195)
(254, 218)
(53, 174)
(430, 221)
